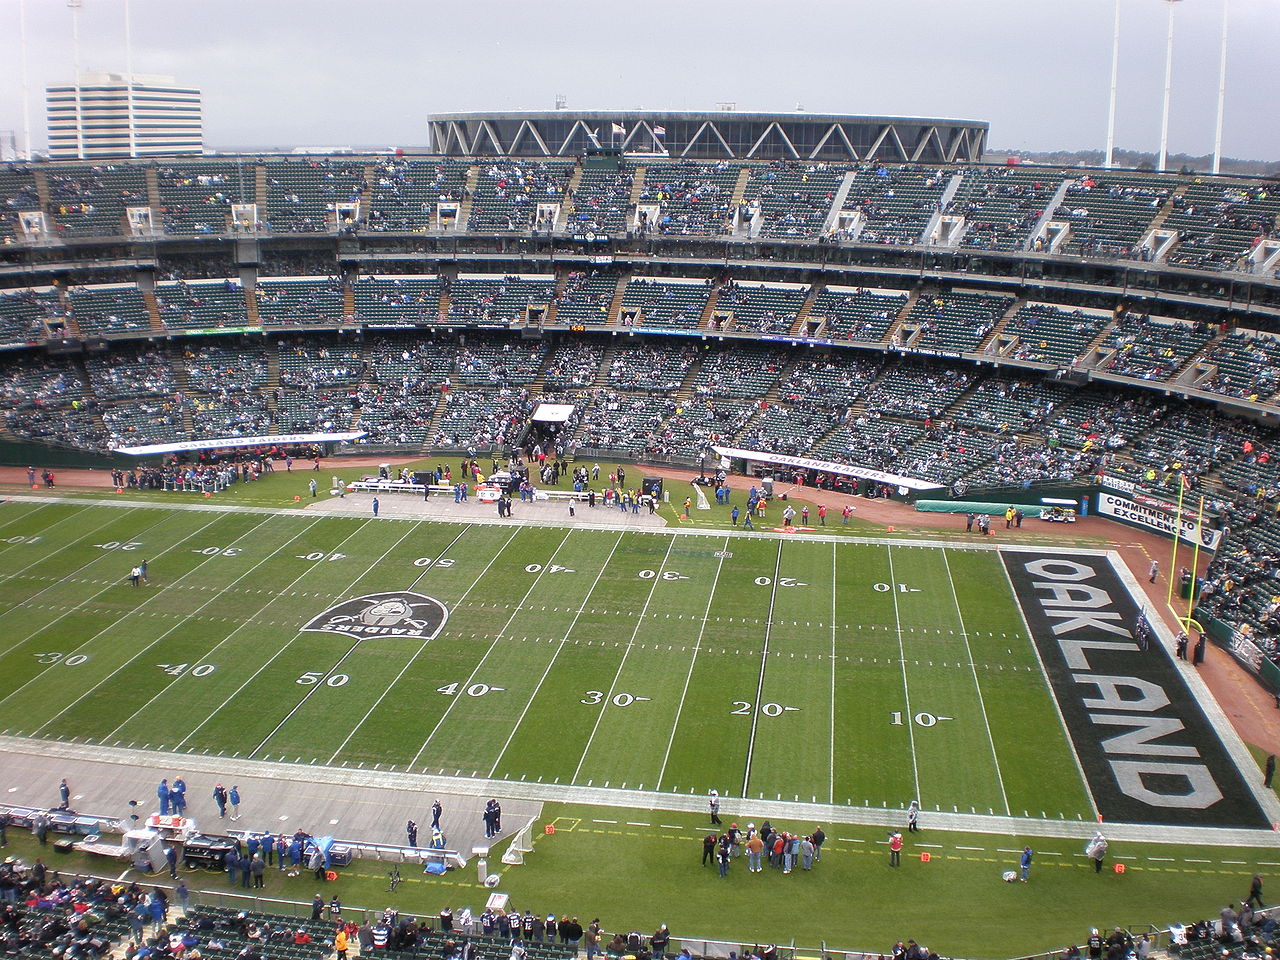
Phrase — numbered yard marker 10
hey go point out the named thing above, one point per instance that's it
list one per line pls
(920, 719)
(886, 587)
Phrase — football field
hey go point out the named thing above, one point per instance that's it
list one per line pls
(823, 670)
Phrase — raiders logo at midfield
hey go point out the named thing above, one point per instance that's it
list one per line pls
(394, 614)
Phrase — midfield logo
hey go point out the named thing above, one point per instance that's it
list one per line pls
(377, 615)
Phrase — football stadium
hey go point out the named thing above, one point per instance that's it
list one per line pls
(642, 533)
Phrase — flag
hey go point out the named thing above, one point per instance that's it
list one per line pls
(618, 130)
(659, 131)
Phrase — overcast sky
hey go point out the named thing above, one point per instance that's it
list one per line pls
(367, 72)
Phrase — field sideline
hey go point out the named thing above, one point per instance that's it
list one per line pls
(850, 674)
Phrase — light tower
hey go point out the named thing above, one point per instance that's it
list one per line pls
(76, 6)
(1108, 160)
(1222, 93)
(1168, 85)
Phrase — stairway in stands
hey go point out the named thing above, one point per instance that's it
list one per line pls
(615, 308)
(464, 208)
(177, 364)
(802, 318)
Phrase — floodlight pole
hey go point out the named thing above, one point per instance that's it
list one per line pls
(1222, 93)
(26, 92)
(128, 66)
(76, 6)
(1109, 161)
(1168, 86)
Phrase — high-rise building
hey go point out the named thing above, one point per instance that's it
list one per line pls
(108, 115)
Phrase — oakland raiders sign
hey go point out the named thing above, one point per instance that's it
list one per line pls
(378, 615)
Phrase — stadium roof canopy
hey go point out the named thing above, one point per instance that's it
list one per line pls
(713, 135)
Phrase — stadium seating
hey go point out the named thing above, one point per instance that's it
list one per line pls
(131, 372)
(693, 200)
(404, 194)
(17, 193)
(223, 369)
(196, 196)
(201, 304)
(113, 309)
(488, 300)
(1110, 213)
(586, 298)
(496, 361)
(301, 193)
(508, 193)
(739, 371)
(898, 202)
(793, 197)
(1053, 334)
(481, 418)
(24, 312)
(600, 202)
(856, 314)
(956, 320)
(1248, 366)
(1150, 349)
(664, 303)
(1218, 224)
(759, 307)
(648, 369)
(299, 301)
(398, 301)
(90, 201)
(1002, 204)
(573, 364)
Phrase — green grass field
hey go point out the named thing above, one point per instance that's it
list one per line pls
(787, 669)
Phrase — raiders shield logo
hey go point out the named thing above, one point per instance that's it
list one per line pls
(395, 614)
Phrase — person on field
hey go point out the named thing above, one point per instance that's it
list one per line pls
(1024, 864)
(1096, 850)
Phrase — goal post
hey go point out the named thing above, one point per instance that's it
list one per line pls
(521, 844)
(702, 498)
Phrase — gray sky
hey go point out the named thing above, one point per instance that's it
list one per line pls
(366, 72)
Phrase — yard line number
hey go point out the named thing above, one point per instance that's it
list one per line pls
(551, 568)
(315, 556)
(595, 697)
(886, 587)
(220, 551)
(742, 708)
(475, 690)
(433, 562)
(119, 545)
(782, 582)
(178, 669)
(920, 719)
(664, 575)
(315, 676)
(53, 657)
(22, 540)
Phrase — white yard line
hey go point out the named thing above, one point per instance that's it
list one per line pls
(906, 690)
(115, 581)
(382, 696)
(89, 600)
(764, 660)
(253, 676)
(180, 623)
(973, 669)
(493, 645)
(165, 689)
(831, 760)
(343, 659)
(1053, 697)
(551, 663)
(688, 677)
(613, 686)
